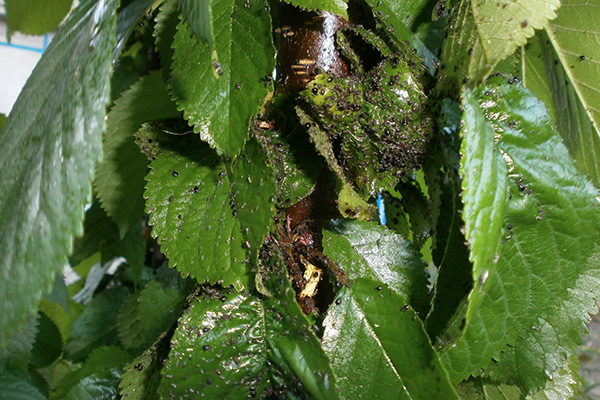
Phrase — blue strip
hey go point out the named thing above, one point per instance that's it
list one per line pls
(381, 208)
(22, 47)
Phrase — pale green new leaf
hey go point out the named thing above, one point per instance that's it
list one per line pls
(51, 143)
(35, 17)
(120, 176)
(483, 33)
(189, 201)
(219, 97)
(546, 268)
(335, 6)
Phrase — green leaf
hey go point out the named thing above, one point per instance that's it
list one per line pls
(13, 387)
(188, 197)
(97, 325)
(232, 345)
(59, 294)
(48, 343)
(253, 192)
(449, 252)
(483, 33)
(407, 22)
(335, 6)
(536, 362)
(49, 160)
(17, 353)
(350, 203)
(574, 37)
(142, 376)
(295, 162)
(218, 350)
(120, 176)
(562, 386)
(546, 268)
(484, 188)
(418, 209)
(546, 74)
(63, 319)
(102, 235)
(292, 345)
(165, 29)
(369, 250)
(153, 311)
(217, 98)
(100, 375)
(198, 15)
(127, 20)
(35, 17)
(379, 348)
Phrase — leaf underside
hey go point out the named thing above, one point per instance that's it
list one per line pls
(49, 159)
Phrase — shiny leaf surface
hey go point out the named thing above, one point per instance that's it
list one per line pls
(484, 189)
(367, 249)
(217, 98)
(189, 201)
(542, 251)
(230, 345)
(378, 346)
